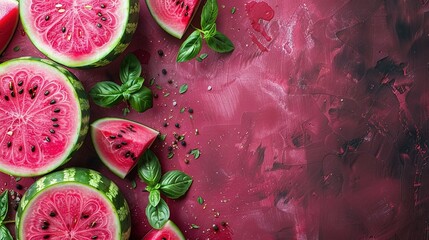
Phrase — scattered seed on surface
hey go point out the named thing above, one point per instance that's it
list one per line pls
(177, 125)
(160, 53)
(170, 81)
(190, 110)
(19, 186)
(215, 228)
(165, 124)
(183, 143)
(164, 71)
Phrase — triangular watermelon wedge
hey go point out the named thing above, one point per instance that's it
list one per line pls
(120, 143)
(169, 231)
(174, 16)
(9, 15)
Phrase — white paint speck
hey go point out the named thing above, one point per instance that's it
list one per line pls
(209, 88)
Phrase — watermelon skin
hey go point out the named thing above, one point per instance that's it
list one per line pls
(169, 231)
(102, 58)
(87, 177)
(172, 17)
(83, 113)
(9, 16)
(113, 156)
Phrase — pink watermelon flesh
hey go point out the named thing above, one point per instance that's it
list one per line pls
(8, 21)
(39, 118)
(174, 16)
(120, 143)
(169, 231)
(69, 211)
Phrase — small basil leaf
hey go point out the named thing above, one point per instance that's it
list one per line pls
(149, 168)
(210, 31)
(154, 197)
(106, 94)
(220, 43)
(141, 100)
(209, 13)
(4, 233)
(159, 215)
(190, 47)
(130, 68)
(133, 86)
(175, 184)
(4, 200)
(183, 88)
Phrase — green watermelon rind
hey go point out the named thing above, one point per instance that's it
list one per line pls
(86, 177)
(164, 25)
(83, 114)
(120, 44)
(169, 227)
(93, 129)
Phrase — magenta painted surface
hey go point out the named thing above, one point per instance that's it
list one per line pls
(316, 126)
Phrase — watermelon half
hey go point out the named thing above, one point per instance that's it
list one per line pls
(8, 20)
(75, 33)
(174, 16)
(44, 116)
(169, 231)
(121, 142)
(74, 203)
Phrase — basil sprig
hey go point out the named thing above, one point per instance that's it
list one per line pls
(217, 41)
(173, 184)
(131, 91)
(4, 232)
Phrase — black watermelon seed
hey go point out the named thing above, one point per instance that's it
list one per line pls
(131, 126)
(47, 17)
(20, 148)
(12, 94)
(63, 29)
(6, 98)
(118, 146)
(170, 81)
(155, 95)
(99, 25)
(21, 91)
(46, 93)
(119, 135)
(187, 7)
(35, 87)
(9, 144)
(99, 14)
(112, 136)
(182, 4)
(53, 214)
(33, 95)
(134, 158)
(190, 110)
(55, 125)
(215, 228)
(94, 237)
(47, 139)
(160, 53)
(127, 154)
(51, 130)
(103, 19)
(11, 86)
(20, 83)
(177, 125)
(57, 110)
(165, 124)
(124, 143)
(163, 238)
(177, 2)
(186, 14)
(183, 143)
(85, 216)
(19, 186)
(54, 119)
(53, 101)
(122, 131)
(102, 6)
(33, 148)
(170, 148)
(164, 71)
(46, 237)
(30, 91)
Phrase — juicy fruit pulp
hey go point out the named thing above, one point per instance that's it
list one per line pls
(8, 21)
(174, 16)
(43, 116)
(169, 231)
(75, 204)
(80, 33)
(120, 143)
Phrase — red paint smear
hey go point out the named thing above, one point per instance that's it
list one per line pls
(257, 11)
(259, 44)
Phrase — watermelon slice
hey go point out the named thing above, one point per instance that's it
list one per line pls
(44, 116)
(174, 16)
(74, 203)
(86, 33)
(8, 20)
(120, 143)
(169, 231)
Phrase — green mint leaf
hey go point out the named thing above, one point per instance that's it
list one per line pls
(203, 56)
(133, 85)
(159, 215)
(154, 197)
(233, 9)
(194, 226)
(175, 184)
(130, 68)
(183, 88)
(141, 100)
(4, 201)
(4, 233)
(209, 13)
(190, 47)
(200, 200)
(196, 153)
(106, 94)
(149, 168)
(125, 111)
(220, 43)
(210, 31)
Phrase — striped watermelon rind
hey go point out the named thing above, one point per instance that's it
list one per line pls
(88, 178)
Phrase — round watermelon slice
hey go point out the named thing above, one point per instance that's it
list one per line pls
(75, 204)
(174, 16)
(8, 20)
(44, 116)
(169, 231)
(121, 142)
(78, 33)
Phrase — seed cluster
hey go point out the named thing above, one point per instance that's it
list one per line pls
(119, 141)
(182, 5)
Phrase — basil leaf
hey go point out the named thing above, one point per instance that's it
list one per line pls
(133, 86)
(106, 94)
(130, 68)
(4, 201)
(154, 197)
(4, 233)
(159, 215)
(210, 31)
(209, 13)
(149, 168)
(183, 88)
(220, 43)
(175, 184)
(190, 47)
(141, 100)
